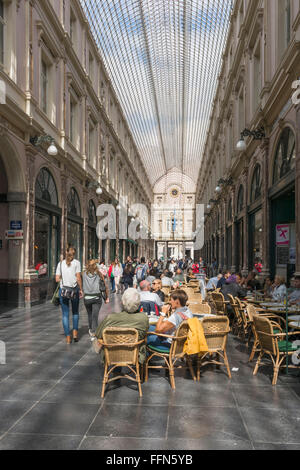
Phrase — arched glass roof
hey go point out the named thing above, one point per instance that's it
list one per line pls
(163, 57)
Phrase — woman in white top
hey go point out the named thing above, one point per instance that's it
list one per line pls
(118, 273)
(279, 289)
(68, 273)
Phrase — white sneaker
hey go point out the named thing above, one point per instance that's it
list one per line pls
(90, 333)
(93, 338)
(96, 346)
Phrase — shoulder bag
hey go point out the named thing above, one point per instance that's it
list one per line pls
(67, 292)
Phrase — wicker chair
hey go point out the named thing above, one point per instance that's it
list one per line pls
(199, 308)
(274, 319)
(121, 349)
(219, 302)
(170, 358)
(216, 331)
(246, 323)
(166, 291)
(273, 344)
(237, 324)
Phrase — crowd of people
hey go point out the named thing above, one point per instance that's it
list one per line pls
(142, 282)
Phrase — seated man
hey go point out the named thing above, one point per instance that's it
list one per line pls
(147, 296)
(294, 297)
(232, 286)
(213, 282)
(129, 317)
(168, 326)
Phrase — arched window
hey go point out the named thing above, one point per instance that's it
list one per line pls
(45, 188)
(229, 211)
(74, 203)
(256, 184)
(240, 200)
(285, 157)
(92, 213)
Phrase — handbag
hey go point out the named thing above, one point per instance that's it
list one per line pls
(67, 292)
(55, 298)
(103, 290)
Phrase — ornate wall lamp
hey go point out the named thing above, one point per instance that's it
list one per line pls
(257, 134)
(39, 140)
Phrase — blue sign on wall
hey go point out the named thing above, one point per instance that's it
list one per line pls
(16, 225)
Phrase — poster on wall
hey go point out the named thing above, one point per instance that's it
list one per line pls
(283, 255)
(282, 235)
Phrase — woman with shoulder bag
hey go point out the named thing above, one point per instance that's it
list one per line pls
(95, 289)
(68, 273)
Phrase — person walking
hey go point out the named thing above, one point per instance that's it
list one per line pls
(68, 274)
(95, 290)
(128, 275)
(118, 272)
(112, 277)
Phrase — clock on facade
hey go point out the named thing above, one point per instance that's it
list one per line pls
(174, 192)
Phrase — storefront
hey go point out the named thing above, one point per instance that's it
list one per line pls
(75, 224)
(256, 218)
(282, 199)
(47, 222)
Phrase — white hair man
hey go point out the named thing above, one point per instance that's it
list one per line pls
(129, 317)
(148, 296)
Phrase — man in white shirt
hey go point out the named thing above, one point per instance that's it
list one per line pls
(167, 281)
(213, 282)
(148, 296)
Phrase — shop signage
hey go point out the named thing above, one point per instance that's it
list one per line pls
(16, 225)
(282, 235)
(14, 234)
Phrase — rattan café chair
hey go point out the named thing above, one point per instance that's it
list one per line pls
(172, 356)
(121, 349)
(216, 331)
(273, 345)
(219, 303)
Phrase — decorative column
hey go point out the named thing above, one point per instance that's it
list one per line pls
(85, 250)
(225, 264)
(64, 207)
(297, 195)
(233, 234)
(245, 224)
(265, 210)
(30, 272)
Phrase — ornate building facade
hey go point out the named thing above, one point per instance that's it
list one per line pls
(252, 195)
(56, 85)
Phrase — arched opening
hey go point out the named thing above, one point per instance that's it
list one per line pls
(75, 223)
(47, 224)
(12, 216)
(4, 223)
(283, 206)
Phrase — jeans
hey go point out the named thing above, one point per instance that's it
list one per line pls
(93, 307)
(113, 286)
(65, 312)
(154, 340)
(128, 285)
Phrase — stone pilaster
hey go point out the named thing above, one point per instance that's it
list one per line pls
(297, 195)
(30, 272)
(265, 210)
(245, 269)
(233, 235)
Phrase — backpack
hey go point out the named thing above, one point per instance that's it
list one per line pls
(141, 272)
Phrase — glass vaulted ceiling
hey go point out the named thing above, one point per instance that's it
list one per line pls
(163, 57)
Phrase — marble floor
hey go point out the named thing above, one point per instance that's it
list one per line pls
(50, 397)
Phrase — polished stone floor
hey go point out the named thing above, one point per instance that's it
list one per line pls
(50, 398)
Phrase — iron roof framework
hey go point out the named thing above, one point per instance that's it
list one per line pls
(163, 58)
